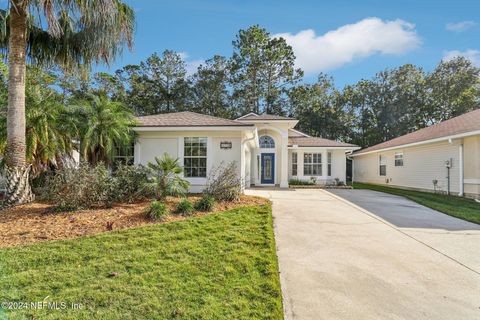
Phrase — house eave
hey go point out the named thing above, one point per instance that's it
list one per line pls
(419, 143)
(193, 128)
(323, 147)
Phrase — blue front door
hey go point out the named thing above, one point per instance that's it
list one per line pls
(268, 168)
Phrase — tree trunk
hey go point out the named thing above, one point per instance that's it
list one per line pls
(16, 171)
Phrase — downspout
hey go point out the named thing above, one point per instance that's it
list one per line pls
(460, 169)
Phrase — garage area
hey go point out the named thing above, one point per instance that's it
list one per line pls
(360, 254)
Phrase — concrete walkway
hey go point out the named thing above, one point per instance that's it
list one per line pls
(340, 261)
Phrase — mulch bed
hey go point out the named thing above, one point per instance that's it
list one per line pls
(36, 222)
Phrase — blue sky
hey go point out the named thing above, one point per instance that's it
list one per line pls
(349, 40)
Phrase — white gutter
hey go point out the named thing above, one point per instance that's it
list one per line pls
(456, 136)
(195, 128)
(460, 169)
(268, 121)
(323, 147)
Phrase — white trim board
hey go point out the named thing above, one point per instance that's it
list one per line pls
(419, 143)
(471, 181)
(195, 128)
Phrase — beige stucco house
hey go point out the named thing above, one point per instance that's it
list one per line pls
(444, 157)
(267, 149)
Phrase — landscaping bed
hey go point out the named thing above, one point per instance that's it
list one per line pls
(217, 266)
(37, 222)
(318, 187)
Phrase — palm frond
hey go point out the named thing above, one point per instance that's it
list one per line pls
(75, 32)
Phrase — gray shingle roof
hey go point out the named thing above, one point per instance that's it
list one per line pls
(462, 124)
(186, 119)
(316, 142)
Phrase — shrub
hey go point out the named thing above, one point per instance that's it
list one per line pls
(79, 188)
(206, 203)
(164, 177)
(298, 182)
(224, 183)
(130, 183)
(185, 207)
(157, 211)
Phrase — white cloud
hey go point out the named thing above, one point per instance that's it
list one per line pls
(471, 54)
(191, 65)
(350, 42)
(460, 26)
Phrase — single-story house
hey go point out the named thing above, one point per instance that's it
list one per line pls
(444, 157)
(267, 149)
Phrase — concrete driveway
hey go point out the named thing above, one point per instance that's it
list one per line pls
(342, 257)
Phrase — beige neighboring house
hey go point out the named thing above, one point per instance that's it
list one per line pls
(448, 153)
(267, 149)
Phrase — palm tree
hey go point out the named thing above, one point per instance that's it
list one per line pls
(49, 133)
(64, 32)
(165, 177)
(104, 126)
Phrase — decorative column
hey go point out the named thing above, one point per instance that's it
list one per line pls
(284, 169)
(136, 152)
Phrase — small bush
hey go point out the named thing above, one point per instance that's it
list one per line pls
(185, 207)
(298, 182)
(165, 177)
(224, 183)
(79, 188)
(130, 183)
(157, 211)
(206, 203)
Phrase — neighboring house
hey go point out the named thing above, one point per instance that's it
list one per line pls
(266, 148)
(447, 153)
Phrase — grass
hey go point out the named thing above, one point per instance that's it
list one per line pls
(219, 266)
(463, 208)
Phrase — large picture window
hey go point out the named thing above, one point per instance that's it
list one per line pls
(195, 157)
(312, 164)
(383, 165)
(294, 164)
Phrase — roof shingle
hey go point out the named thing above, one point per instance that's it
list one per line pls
(462, 124)
(316, 142)
(185, 119)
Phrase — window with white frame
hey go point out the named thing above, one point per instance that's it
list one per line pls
(267, 142)
(312, 164)
(123, 155)
(329, 164)
(195, 157)
(294, 164)
(382, 165)
(399, 159)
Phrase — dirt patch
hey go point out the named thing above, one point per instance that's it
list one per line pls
(35, 222)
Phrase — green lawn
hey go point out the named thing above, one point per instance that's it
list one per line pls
(466, 209)
(219, 266)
